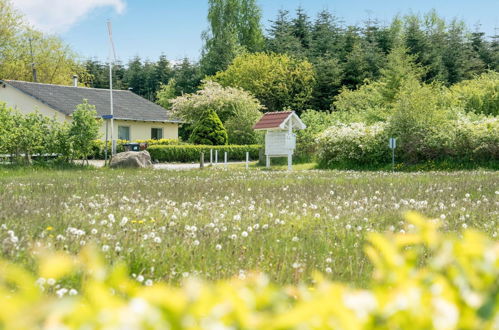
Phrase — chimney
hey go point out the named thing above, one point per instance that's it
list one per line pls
(75, 81)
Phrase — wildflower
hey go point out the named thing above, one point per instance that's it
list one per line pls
(148, 282)
(244, 234)
(105, 248)
(73, 292)
(295, 239)
(49, 228)
(196, 243)
(329, 270)
(51, 281)
(218, 247)
(157, 240)
(140, 278)
(123, 221)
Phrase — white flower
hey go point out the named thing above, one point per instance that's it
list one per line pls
(94, 231)
(218, 247)
(196, 243)
(50, 281)
(295, 239)
(148, 282)
(157, 240)
(237, 217)
(328, 270)
(73, 292)
(140, 278)
(123, 221)
(244, 234)
(105, 248)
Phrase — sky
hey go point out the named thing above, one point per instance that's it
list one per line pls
(149, 28)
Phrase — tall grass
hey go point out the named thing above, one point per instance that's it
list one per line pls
(216, 224)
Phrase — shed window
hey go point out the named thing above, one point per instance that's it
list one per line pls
(124, 133)
(156, 133)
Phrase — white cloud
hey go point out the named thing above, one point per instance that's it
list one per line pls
(56, 16)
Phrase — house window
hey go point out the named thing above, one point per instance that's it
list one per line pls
(124, 133)
(156, 133)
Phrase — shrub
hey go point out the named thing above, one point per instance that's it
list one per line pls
(238, 110)
(209, 130)
(423, 279)
(479, 95)
(192, 153)
(317, 122)
(353, 143)
(160, 142)
(84, 128)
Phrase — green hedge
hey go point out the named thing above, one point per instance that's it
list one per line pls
(192, 153)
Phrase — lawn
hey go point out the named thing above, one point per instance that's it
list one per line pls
(217, 223)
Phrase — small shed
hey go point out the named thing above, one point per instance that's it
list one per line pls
(280, 141)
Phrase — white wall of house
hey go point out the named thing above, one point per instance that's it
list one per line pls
(139, 130)
(24, 103)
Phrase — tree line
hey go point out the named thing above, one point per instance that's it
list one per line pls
(340, 56)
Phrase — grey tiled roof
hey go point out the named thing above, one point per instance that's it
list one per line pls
(127, 105)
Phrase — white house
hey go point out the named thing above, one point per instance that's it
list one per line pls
(135, 118)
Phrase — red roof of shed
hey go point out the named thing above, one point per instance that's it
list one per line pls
(272, 119)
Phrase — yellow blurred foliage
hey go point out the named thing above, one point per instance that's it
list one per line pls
(422, 280)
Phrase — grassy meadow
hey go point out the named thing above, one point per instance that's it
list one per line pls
(217, 224)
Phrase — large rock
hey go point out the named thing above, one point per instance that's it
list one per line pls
(131, 159)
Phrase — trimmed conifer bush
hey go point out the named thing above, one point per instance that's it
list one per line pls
(209, 131)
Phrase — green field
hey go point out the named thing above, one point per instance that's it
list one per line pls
(216, 224)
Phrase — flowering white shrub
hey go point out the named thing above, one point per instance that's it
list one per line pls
(357, 143)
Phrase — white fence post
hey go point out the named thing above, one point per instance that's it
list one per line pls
(216, 157)
(225, 158)
(247, 159)
(211, 156)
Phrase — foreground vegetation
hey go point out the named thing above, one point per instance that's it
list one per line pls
(455, 288)
(218, 224)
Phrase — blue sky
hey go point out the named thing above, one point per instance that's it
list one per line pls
(149, 28)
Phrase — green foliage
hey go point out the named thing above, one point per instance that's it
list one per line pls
(237, 109)
(419, 112)
(479, 95)
(84, 129)
(317, 122)
(278, 81)
(192, 153)
(423, 138)
(21, 46)
(240, 126)
(234, 27)
(166, 93)
(209, 130)
(354, 143)
(32, 134)
(374, 101)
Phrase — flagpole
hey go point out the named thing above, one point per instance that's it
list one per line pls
(111, 57)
